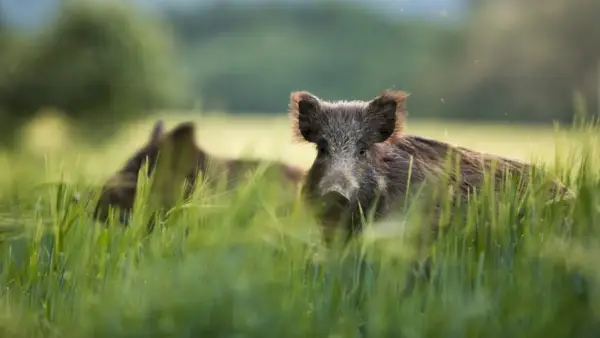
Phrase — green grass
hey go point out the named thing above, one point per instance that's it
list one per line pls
(248, 268)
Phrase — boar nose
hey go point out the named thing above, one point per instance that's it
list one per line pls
(336, 190)
(334, 201)
(335, 197)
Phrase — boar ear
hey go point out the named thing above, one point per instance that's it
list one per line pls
(157, 131)
(183, 134)
(303, 107)
(385, 115)
(177, 158)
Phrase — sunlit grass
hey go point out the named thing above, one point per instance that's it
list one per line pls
(241, 265)
(270, 138)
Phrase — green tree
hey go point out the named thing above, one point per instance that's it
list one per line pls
(525, 61)
(100, 63)
(248, 59)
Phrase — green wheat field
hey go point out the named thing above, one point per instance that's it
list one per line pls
(238, 265)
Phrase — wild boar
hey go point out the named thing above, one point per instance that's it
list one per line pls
(365, 163)
(181, 161)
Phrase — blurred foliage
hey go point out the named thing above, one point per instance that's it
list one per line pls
(98, 62)
(526, 61)
(509, 61)
(248, 59)
(242, 264)
(504, 63)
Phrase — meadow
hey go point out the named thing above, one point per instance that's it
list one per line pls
(233, 266)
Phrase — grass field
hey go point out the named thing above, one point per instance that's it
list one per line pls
(247, 270)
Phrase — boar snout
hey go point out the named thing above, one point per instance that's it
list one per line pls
(334, 201)
(338, 183)
(336, 192)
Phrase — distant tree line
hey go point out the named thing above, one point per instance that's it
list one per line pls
(511, 61)
(103, 63)
(100, 63)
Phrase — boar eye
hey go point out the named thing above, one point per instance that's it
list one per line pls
(362, 151)
(321, 148)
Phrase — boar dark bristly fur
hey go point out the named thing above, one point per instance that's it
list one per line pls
(184, 162)
(365, 165)
(356, 160)
(120, 189)
(363, 158)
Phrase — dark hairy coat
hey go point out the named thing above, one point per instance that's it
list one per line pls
(366, 165)
(181, 161)
(365, 160)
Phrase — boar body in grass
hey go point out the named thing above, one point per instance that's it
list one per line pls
(180, 162)
(365, 164)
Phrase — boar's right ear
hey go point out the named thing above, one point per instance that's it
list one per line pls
(303, 108)
(180, 145)
(177, 158)
(183, 133)
(385, 115)
(157, 131)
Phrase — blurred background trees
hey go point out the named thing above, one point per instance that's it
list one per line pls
(99, 63)
(497, 60)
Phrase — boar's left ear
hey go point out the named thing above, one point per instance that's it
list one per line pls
(385, 115)
(157, 131)
(302, 109)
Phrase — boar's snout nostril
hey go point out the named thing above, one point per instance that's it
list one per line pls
(335, 199)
